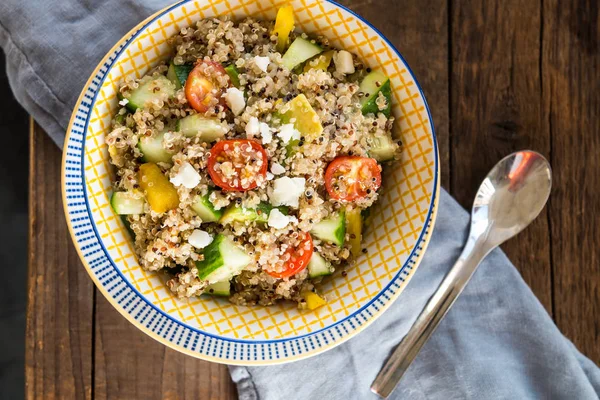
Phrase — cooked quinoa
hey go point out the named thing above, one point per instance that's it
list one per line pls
(259, 166)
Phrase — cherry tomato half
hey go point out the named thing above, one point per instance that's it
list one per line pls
(352, 178)
(202, 87)
(237, 164)
(299, 257)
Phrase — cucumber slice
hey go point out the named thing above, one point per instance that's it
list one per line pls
(153, 89)
(241, 214)
(318, 266)
(209, 129)
(332, 229)
(127, 203)
(354, 231)
(223, 259)
(205, 210)
(178, 74)
(298, 52)
(222, 288)
(153, 150)
(371, 85)
(234, 75)
(381, 147)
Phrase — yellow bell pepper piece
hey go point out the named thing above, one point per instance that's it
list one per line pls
(160, 193)
(321, 61)
(313, 300)
(307, 122)
(284, 25)
(354, 230)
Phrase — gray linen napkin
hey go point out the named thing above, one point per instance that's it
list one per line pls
(497, 342)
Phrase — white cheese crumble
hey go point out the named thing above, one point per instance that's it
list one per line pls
(186, 176)
(265, 132)
(344, 64)
(124, 102)
(277, 169)
(278, 220)
(262, 63)
(234, 98)
(287, 132)
(253, 127)
(287, 191)
(200, 239)
(270, 176)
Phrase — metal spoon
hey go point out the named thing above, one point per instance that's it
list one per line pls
(510, 197)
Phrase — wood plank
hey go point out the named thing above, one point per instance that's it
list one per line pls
(419, 30)
(58, 354)
(129, 364)
(496, 109)
(571, 104)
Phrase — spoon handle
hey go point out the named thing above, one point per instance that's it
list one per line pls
(431, 316)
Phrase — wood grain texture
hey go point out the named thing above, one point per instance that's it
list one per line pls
(498, 75)
(496, 109)
(58, 354)
(571, 67)
(129, 364)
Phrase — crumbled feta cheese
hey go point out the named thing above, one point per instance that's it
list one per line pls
(253, 127)
(277, 169)
(186, 176)
(123, 102)
(287, 132)
(235, 100)
(344, 64)
(287, 191)
(266, 134)
(270, 176)
(200, 239)
(262, 63)
(278, 220)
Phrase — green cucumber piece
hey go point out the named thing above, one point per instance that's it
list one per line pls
(178, 74)
(298, 52)
(120, 119)
(370, 88)
(223, 259)
(205, 209)
(153, 89)
(127, 226)
(127, 203)
(234, 75)
(222, 288)
(332, 229)
(153, 150)
(258, 214)
(318, 266)
(381, 147)
(209, 129)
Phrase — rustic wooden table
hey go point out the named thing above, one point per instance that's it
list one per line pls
(499, 76)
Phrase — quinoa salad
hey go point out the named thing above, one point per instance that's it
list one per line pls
(246, 164)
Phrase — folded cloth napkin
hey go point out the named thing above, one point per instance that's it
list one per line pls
(497, 342)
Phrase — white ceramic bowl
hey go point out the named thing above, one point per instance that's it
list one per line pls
(211, 328)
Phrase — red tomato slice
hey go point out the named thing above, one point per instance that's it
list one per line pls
(237, 164)
(202, 87)
(352, 178)
(299, 257)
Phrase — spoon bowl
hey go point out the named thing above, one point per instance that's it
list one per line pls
(511, 196)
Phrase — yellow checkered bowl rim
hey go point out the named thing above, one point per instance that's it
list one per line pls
(212, 328)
